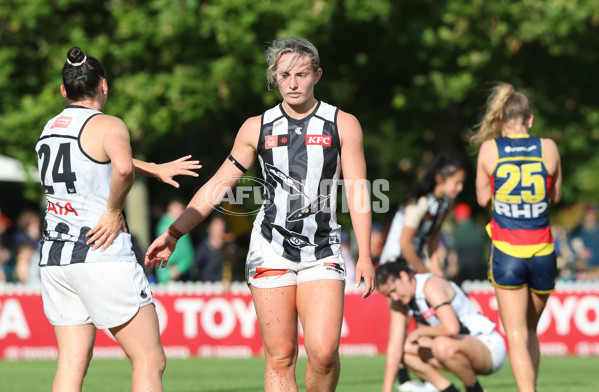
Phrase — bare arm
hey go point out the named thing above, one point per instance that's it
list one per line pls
(166, 171)
(433, 251)
(397, 335)
(353, 166)
(209, 195)
(408, 251)
(414, 213)
(487, 158)
(554, 165)
(438, 294)
(115, 144)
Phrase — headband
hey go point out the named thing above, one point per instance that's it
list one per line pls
(79, 63)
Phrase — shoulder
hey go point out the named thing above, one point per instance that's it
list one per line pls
(549, 145)
(488, 146)
(488, 154)
(108, 125)
(349, 129)
(347, 120)
(106, 120)
(250, 130)
(436, 286)
(252, 123)
(420, 205)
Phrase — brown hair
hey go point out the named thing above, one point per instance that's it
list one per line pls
(504, 105)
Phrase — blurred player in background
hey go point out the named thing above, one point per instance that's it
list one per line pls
(451, 335)
(414, 229)
(520, 176)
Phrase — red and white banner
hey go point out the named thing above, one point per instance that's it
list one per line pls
(201, 321)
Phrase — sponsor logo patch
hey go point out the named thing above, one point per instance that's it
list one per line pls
(319, 140)
(62, 122)
(272, 141)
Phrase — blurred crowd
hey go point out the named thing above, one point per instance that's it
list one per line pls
(216, 251)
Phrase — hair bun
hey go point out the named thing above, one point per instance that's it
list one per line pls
(76, 57)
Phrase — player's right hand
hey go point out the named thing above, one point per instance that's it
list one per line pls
(160, 251)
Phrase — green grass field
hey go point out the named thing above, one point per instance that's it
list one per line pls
(358, 374)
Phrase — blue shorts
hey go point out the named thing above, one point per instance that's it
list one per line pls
(510, 272)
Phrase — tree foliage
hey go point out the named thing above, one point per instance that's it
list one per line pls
(185, 74)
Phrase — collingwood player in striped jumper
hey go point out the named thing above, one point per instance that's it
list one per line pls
(90, 277)
(520, 176)
(451, 334)
(294, 267)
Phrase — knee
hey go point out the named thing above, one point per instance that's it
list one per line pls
(324, 358)
(281, 357)
(155, 363)
(443, 348)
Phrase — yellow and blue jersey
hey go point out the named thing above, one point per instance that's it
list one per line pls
(521, 185)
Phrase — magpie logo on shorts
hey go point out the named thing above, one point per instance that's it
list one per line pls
(334, 239)
(143, 294)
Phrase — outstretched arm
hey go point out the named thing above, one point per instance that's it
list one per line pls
(395, 344)
(209, 195)
(353, 166)
(166, 171)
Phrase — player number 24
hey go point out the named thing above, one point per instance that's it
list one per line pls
(61, 170)
(528, 175)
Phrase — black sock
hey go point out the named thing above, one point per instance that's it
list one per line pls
(403, 375)
(474, 388)
(451, 388)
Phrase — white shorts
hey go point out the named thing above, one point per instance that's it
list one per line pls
(496, 345)
(107, 293)
(266, 269)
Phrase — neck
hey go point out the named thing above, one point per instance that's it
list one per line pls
(514, 130)
(300, 111)
(90, 104)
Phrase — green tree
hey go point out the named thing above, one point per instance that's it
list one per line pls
(185, 74)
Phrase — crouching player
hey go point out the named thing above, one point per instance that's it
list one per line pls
(451, 335)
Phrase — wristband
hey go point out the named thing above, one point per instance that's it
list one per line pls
(174, 232)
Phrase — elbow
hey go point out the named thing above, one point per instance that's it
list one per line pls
(483, 201)
(124, 170)
(556, 197)
(452, 330)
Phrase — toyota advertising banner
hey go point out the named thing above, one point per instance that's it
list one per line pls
(201, 321)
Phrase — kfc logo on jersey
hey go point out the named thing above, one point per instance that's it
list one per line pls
(319, 140)
(62, 122)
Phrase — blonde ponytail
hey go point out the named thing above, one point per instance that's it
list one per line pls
(490, 126)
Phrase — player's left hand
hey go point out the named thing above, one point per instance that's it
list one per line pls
(365, 270)
(179, 167)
